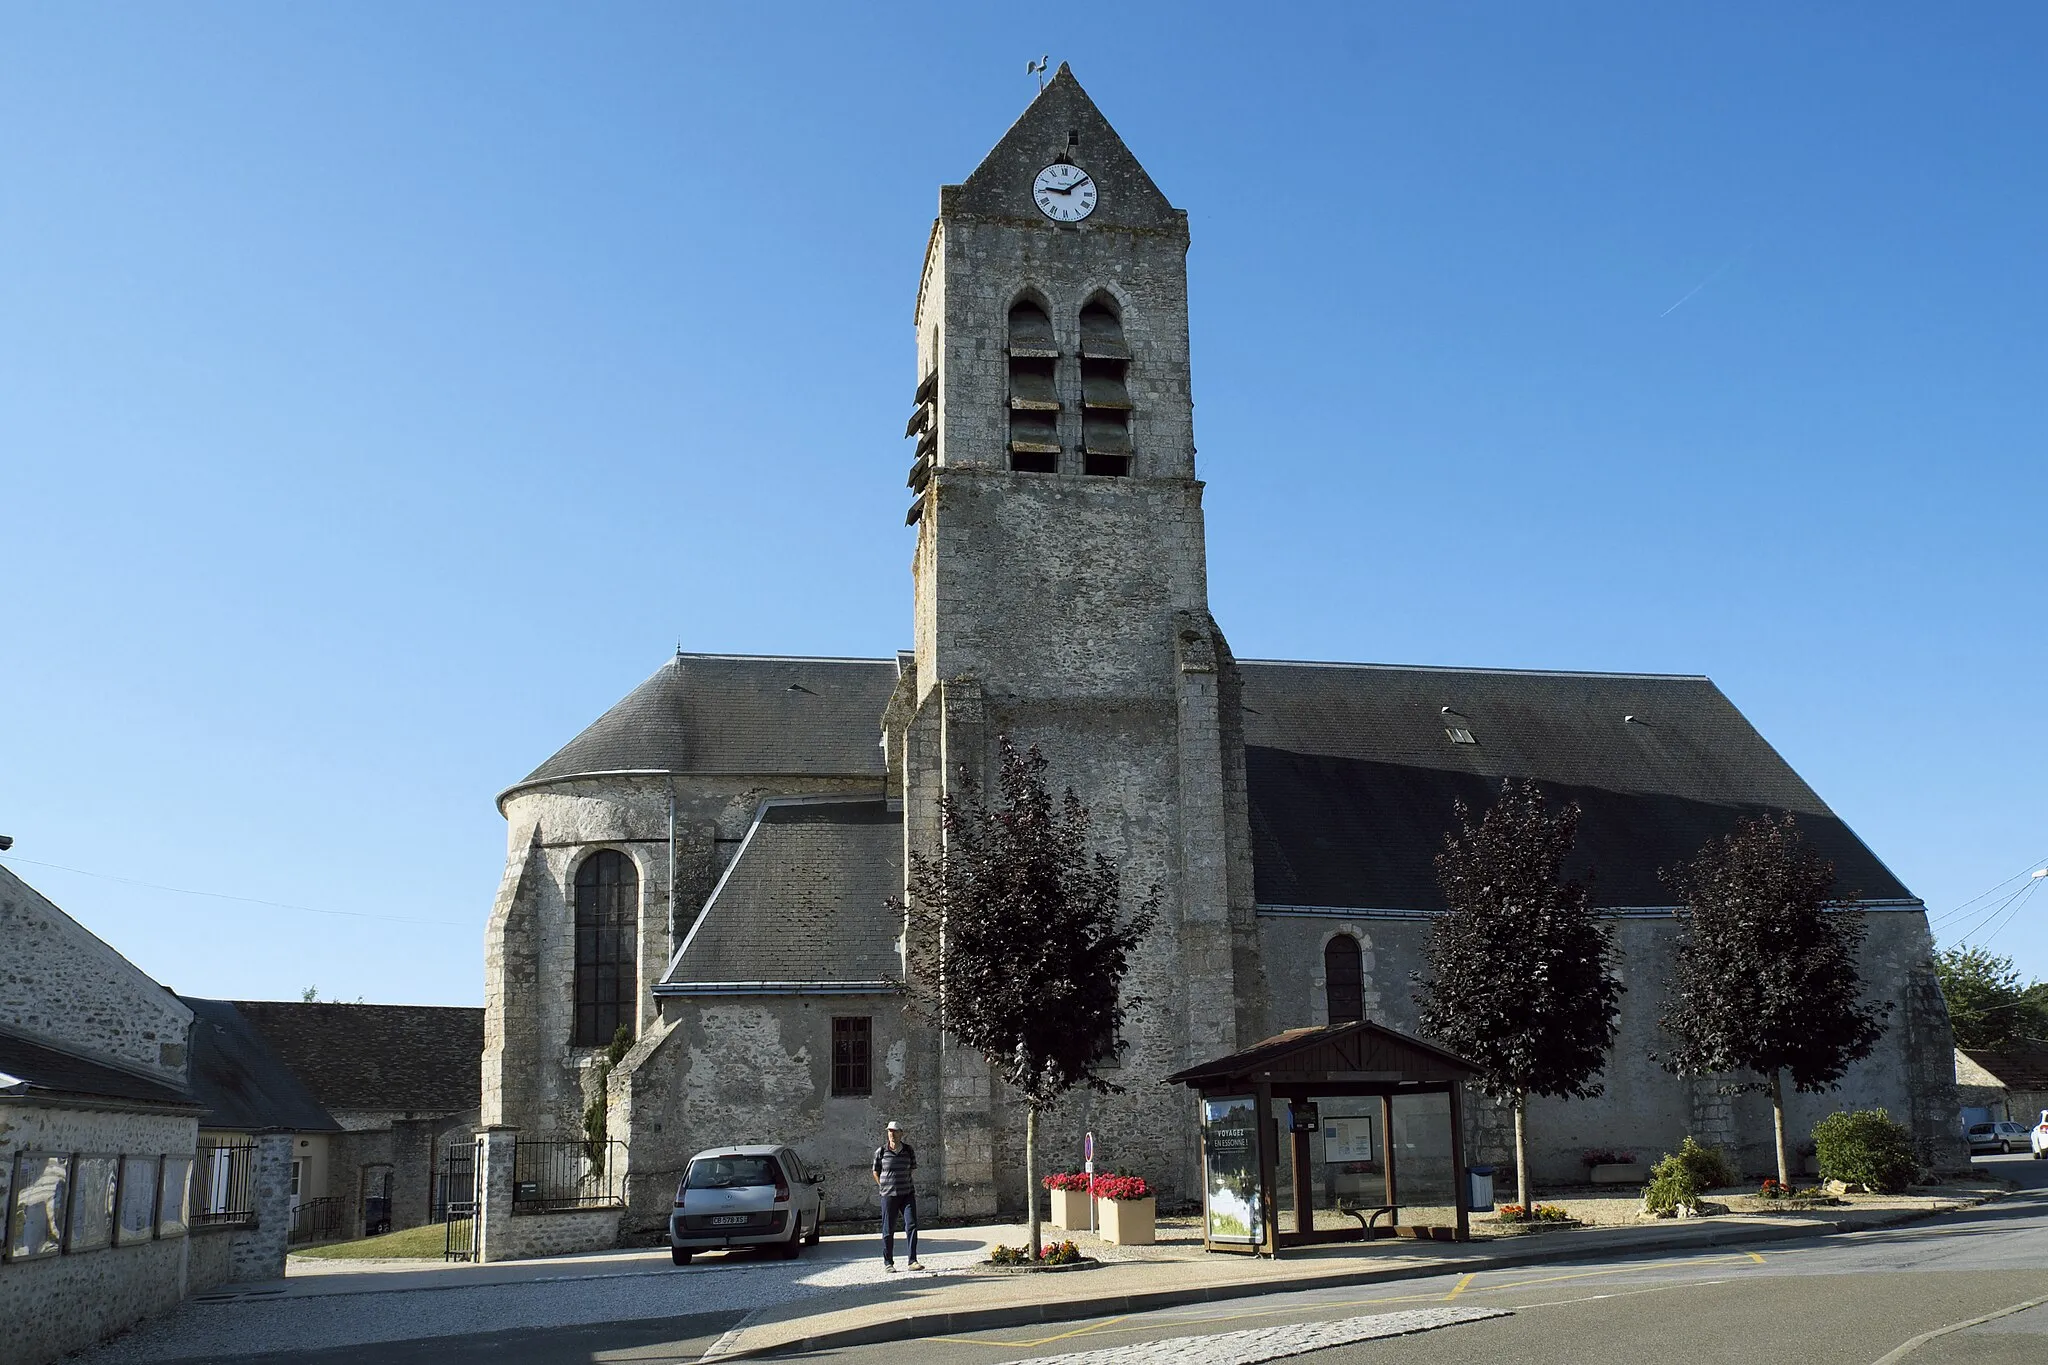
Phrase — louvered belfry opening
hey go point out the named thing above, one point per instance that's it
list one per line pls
(607, 917)
(1344, 979)
(1105, 391)
(1034, 392)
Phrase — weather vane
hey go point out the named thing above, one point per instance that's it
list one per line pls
(1037, 69)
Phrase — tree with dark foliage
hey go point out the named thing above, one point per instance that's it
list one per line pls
(1766, 974)
(1520, 982)
(1987, 1005)
(1017, 944)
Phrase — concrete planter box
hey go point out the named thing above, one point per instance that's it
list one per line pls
(1127, 1222)
(1619, 1173)
(1069, 1209)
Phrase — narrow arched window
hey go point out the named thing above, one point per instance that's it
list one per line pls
(1105, 391)
(1034, 394)
(1344, 980)
(607, 923)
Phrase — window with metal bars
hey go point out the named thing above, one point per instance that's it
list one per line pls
(1344, 980)
(852, 1055)
(607, 920)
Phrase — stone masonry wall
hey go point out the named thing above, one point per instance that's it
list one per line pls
(58, 982)
(1644, 1108)
(61, 1303)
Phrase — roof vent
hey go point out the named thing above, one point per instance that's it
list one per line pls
(1459, 734)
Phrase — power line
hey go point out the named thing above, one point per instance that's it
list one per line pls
(224, 896)
(1957, 911)
(2018, 905)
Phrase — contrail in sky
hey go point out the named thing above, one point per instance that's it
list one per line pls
(1712, 275)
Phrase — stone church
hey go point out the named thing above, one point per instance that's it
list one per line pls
(708, 865)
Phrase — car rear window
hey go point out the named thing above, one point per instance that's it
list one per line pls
(730, 1172)
(1975, 1128)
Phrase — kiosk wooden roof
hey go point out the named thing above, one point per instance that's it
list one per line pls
(1330, 1060)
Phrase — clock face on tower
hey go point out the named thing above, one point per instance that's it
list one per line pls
(1064, 192)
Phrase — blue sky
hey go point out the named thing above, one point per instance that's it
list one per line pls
(386, 389)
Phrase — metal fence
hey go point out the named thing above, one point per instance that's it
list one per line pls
(224, 1185)
(319, 1220)
(568, 1175)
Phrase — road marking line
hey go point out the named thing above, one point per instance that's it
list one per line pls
(1275, 1343)
(1459, 1287)
(1754, 1257)
(1906, 1348)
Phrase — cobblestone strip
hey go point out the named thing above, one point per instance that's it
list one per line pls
(1274, 1343)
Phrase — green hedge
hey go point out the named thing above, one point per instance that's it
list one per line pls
(1866, 1147)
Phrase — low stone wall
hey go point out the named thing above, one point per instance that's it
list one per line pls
(210, 1263)
(564, 1233)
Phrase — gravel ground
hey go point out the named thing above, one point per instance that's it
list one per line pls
(267, 1325)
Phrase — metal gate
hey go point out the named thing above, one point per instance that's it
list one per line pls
(455, 1203)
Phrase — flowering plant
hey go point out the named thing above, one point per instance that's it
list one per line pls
(1066, 1180)
(1603, 1156)
(1122, 1187)
(1061, 1253)
(1542, 1213)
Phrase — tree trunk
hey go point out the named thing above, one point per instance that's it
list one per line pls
(1522, 1150)
(1778, 1122)
(1031, 1174)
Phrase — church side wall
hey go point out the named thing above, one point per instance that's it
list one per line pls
(535, 1079)
(1645, 1109)
(719, 1072)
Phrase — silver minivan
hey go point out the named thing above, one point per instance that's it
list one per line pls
(746, 1197)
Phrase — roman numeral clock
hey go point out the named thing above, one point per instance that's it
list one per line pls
(1064, 192)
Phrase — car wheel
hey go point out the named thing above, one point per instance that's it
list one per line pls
(794, 1247)
(817, 1230)
(679, 1256)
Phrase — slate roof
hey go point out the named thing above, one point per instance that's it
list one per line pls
(241, 1080)
(716, 713)
(1339, 1052)
(2018, 1066)
(1353, 778)
(802, 904)
(29, 1067)
(418, 1059)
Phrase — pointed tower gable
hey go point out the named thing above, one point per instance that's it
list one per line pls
(1063, 124)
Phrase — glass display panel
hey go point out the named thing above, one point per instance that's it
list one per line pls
(137, 1201)
(171, 1195)
(94, 1182)
(35, 1208)
(1230, 1174)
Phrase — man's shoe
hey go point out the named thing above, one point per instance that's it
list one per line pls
(890, 1266)
(917, 1265)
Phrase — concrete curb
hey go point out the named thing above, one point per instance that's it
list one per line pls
(911, 1325)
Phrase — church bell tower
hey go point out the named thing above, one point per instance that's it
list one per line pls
(1062, 601)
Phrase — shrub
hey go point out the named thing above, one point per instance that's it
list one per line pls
(1682, 1176)
(1865, 1147)
(1603, 1156)
(1053, 1253)
(1542, 1213)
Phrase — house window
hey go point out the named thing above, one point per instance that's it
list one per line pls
(853, 1055)
(607, 918)
(1034, 395)
(1344, 980)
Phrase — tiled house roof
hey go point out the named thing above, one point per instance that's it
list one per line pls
(419, 1059)
(2016, 1066)
(241, 1080)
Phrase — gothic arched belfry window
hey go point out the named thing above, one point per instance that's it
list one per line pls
(1105, 392)
(607, 925)
(1034, 391)
(1344, 980)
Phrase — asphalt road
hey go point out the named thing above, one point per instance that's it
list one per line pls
(1845, 1300)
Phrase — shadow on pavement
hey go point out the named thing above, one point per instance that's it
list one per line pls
(652, 1341)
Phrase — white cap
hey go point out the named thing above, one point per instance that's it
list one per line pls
(894, 1126)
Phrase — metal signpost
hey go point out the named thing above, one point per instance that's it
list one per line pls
(1088, 1165)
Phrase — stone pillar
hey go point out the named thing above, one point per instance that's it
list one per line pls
(494, 1150)
(259, 1251)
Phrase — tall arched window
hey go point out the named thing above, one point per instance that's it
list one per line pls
(1344, 980)
(607, 921)
(1105, 392)
(1034, 396)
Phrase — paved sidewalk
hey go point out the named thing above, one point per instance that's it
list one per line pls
(900, 1309)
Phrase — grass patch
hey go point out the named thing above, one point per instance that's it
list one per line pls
(429, 1240)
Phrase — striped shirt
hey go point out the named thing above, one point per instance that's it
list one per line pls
(894, 1168)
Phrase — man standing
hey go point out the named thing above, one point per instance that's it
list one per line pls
(895, 1160)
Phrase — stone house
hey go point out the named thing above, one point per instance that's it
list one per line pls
(97, 1133)
(706, 867)
(401, 1086)
(1997, 1084)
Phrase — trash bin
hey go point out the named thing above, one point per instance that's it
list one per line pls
(1479, 1194)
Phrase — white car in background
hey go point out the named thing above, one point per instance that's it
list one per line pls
(2039, 1141)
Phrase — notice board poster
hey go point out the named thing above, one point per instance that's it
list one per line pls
(1230, 1174)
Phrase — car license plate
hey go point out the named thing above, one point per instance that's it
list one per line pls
(728, 1220)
